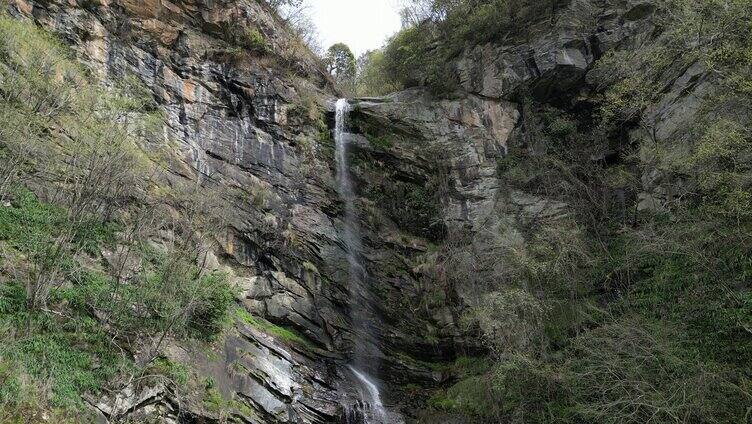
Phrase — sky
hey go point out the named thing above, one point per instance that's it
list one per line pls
(361, 24)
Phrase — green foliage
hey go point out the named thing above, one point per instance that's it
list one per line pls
(664, 261)
(35, 59)
(22, 401)
(516, 386)
(637, 371)
(465, 366)
(242, 38)
(440, 401)
(86, 164)
(469, 372)
(670, 338)
(72, 356)
(252, 39)
(29, 221)
(76, 354)
(678, 282)
(65, 323)
(528, 387)
(213, 400)
(408, 60)
(210, 312)
(169, 296)
(469, 396)
(510, 320)
(34, 228)
(178, 373)
(721, 167)
(340, 62)
(372, 78)
(283, 334)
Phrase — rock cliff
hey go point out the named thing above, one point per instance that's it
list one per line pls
(247, 108)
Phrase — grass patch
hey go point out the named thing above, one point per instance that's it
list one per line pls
(286, 335)
(71, 356)
(175, 371)
(28, 220)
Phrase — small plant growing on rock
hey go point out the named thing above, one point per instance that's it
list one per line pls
(251, 39)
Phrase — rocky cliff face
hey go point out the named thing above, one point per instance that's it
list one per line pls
(458, 151)
(240, 114)
(248, 109)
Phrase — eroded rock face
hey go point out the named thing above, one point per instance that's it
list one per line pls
(411, 138)
(255, 378)
(555, 59)
(467, 136)
(554, 63)
(242, 120)
(668, 120)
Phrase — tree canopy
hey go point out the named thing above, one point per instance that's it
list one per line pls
(340, 62)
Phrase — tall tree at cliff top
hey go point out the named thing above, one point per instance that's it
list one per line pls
(340, 62)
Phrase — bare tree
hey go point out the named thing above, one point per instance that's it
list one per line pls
(415, 12)
(193, 220)
(297, 16)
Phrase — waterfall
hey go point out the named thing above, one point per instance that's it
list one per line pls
(351, 234)
(373, 409)
(370, 410)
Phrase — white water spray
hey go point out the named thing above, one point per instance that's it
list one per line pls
(371, 410)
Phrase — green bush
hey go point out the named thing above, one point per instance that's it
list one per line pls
(408, 59)
(510, 321)
(210, 313)
(175, 371)
(647, 313)
(253, 40)
(529, 388)
(516, 386)
(184, 303)
(471, 396)
(76, 354)
(638, 371)
(372, 77)
(240, 36)
(29, 221)
(66, 325)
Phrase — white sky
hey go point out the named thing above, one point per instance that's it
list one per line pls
(361, 24)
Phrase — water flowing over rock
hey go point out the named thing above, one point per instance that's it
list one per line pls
(369, 409)
(372, 409)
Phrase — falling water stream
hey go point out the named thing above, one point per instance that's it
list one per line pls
(370, 410)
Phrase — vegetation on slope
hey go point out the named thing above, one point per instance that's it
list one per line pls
(612, 313)
(437, 31)
(100, 264)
